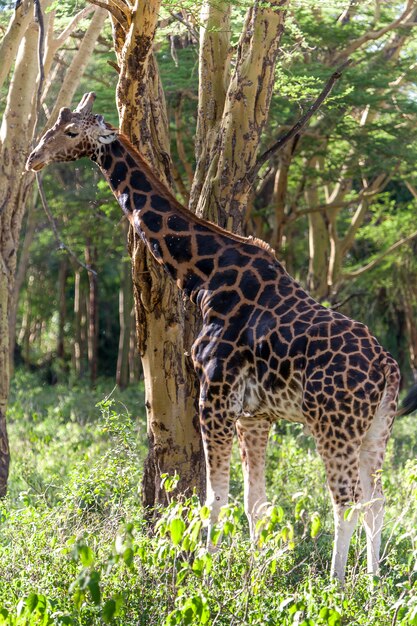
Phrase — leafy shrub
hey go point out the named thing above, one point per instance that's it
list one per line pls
(75, 548)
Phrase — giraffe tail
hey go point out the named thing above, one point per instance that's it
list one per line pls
(409, 404)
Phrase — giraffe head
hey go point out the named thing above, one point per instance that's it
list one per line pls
(74, 135)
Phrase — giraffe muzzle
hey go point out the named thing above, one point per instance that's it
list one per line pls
(34, 163)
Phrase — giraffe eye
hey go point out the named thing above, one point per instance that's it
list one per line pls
(69, 133)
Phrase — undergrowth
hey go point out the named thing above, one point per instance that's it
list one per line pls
(75, 547)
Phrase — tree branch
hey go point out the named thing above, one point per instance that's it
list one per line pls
(61, 244)
(380, 257)
(72, 25)
(41, 46)
(11, 39)
(118, 15)
(356, 294)
(298, 126)
(377, 34)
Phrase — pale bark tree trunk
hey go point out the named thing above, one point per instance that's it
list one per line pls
(13, 149)
(18, 54)
(214, 78)
(77, 346)
(62, 307)
(223, 195)
(92, 309)
(163, 337)
(125, 308)
(13, 36)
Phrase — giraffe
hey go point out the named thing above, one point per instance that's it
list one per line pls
(266, 351)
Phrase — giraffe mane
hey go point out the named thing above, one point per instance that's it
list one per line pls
(162, 188)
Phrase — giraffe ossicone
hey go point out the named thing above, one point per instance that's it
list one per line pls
(267, 350)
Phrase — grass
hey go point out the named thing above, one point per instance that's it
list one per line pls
(75, 548)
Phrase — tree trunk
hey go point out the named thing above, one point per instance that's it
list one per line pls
(318, 240)
(318, 256)
(225, 192)
(92, 308)
(62, 308)
(24, 333)
(162, 322)
(134, 359)
(4, 379)
(13, 146)
(20, 276)
(125, 308)
(77, 324)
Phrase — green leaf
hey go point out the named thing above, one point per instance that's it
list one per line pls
(128, 557)
(334, 618)
(86, 555)
(177, 528)
(109, 611)
(215, 535)
(31, 602)
(277, 514)
(315, 525)
(204, 513)
(94, 587)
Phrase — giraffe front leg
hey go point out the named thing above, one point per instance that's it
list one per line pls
(253, 438)
(217, 429)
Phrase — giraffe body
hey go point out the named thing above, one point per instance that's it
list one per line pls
(266, 350)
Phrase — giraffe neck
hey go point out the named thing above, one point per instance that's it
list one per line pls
(190, 249)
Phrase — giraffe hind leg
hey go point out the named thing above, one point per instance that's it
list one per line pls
(374, 502)
(253, 435)
(343, 479)
(372, 455)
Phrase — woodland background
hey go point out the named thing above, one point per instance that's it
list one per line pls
(338, 204)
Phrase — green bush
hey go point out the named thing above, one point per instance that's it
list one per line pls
(76, 549)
